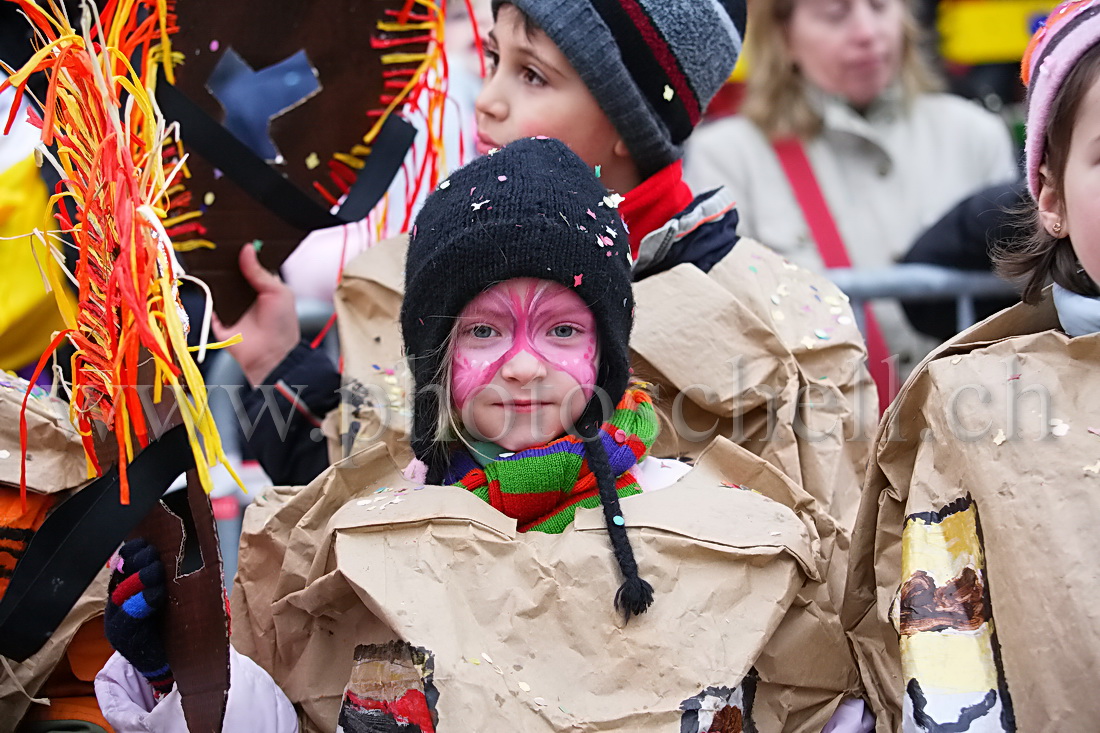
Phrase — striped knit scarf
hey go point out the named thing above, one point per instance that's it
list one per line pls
(541, 487)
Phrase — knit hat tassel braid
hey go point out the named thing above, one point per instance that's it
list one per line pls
(635, 594)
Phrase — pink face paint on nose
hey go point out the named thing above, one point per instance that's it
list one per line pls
(544, 319)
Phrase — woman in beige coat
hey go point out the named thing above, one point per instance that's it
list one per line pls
(844, 79)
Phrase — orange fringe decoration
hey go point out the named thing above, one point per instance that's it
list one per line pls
(412, 80)
(110, 137)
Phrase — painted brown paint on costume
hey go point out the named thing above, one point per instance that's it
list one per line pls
(958, 604)
(390, 690)
(721, 709)
(954, 679)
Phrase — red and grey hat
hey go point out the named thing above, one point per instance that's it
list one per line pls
(653, 65)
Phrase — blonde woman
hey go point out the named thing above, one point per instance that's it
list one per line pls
(841, 87)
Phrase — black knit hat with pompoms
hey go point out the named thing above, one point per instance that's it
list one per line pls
(532, 209)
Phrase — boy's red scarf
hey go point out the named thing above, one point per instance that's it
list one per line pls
(654, 202)
(542, 486)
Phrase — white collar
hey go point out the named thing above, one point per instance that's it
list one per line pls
(1078, 314)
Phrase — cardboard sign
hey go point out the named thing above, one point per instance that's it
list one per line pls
(295, 87)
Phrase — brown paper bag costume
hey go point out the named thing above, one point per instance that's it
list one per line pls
(973, 588)
(757, 350)
(55, 455)
(520, 628)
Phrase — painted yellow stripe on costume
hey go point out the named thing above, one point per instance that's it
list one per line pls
(951, 661)
(944, 549)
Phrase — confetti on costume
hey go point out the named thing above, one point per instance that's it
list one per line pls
(128, 328)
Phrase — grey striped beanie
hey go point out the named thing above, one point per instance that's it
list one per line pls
(653, 65)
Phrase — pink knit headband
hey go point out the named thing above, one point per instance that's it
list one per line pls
(1068, 33)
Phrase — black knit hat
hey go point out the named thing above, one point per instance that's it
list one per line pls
(532, 209)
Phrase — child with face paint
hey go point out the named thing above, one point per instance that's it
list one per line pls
(622, 84)
(516, 321)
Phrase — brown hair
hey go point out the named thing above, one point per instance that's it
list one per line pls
(1042, 257)
(775, 96)
(530, 27)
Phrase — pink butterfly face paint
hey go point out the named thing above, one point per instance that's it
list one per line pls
(542, 319)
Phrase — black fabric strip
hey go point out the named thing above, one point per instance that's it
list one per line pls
(387, 154)
(644, 68)
(13, 534)
(77, 539)
(16, 552)
(219, 147)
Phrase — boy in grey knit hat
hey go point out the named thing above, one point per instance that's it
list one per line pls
(652, 66)
(623, 83)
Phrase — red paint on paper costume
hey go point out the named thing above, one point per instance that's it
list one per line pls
(409, 709)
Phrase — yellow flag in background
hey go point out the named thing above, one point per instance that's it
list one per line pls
(28, 313)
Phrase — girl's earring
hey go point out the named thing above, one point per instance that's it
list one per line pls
(1057, 228)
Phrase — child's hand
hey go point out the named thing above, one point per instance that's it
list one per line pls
(132, 622)
(269, 326)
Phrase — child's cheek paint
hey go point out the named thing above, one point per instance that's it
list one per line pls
(468, 373)
(576, 355)
(578, 360)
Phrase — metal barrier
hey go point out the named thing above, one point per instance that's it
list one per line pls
(920, 283)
